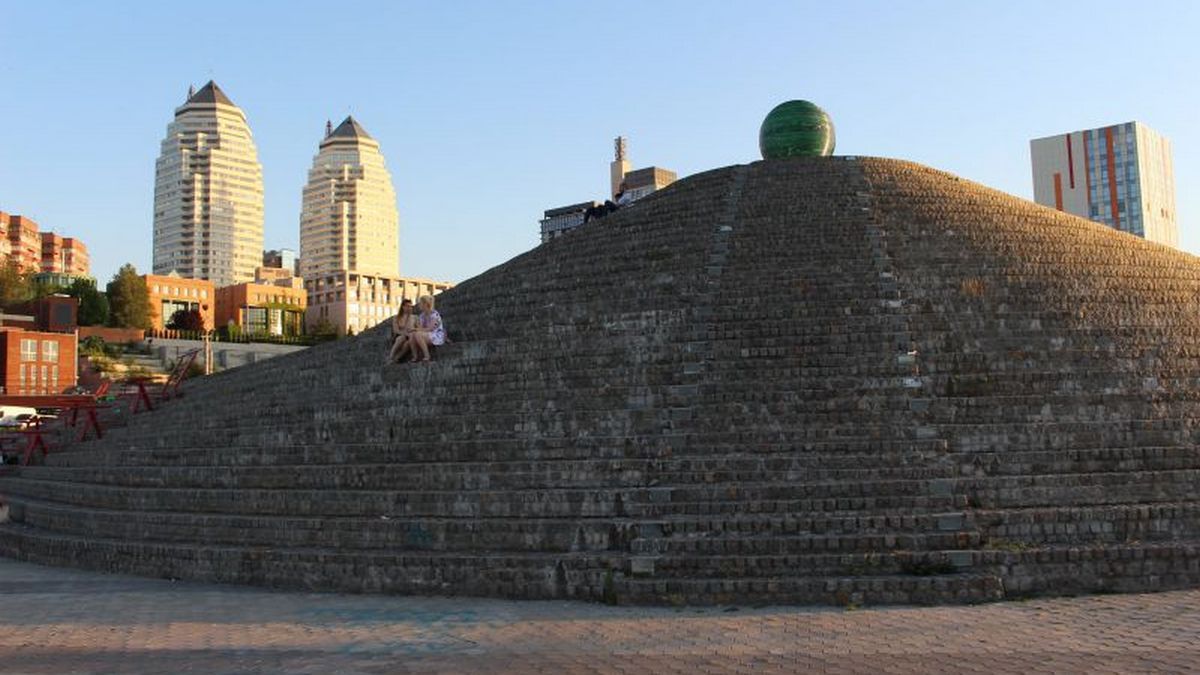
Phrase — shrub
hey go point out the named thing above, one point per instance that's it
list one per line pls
(92, 345)
(101, 364)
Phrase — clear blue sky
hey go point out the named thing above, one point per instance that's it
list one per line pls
(490, 112)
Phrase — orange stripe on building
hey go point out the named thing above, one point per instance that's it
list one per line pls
(1112, 177)
(1058, 191)
(1087, 173)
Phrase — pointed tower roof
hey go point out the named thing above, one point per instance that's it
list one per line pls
(351, 129)
(210, 93)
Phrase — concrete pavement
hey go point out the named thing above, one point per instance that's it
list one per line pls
(68, 621)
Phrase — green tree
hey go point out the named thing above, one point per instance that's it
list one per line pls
(15, 287)
(93, 305)
(128, 299)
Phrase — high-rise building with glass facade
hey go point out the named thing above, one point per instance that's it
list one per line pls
(1121, 176)
(208, 193)
(348, 216)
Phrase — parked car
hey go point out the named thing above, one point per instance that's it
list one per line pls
(15, 416)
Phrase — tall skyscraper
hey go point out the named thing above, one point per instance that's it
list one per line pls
(1121, 176)
(208, 193)
(348, 217)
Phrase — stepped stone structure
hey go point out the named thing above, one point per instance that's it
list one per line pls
(814, 380)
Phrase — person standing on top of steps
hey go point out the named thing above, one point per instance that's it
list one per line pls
(403, 324)
(429, 331)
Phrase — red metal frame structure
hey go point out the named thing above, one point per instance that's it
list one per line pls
(34, 440)
(170, 388)
(72, 406)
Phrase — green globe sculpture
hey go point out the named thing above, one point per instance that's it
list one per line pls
(796, 129)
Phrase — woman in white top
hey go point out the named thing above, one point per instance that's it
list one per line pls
(429, 331)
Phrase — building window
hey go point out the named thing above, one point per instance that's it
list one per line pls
(29, 350)
(49, 350)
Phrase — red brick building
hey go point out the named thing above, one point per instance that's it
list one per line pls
(270, 309)
(36, 363)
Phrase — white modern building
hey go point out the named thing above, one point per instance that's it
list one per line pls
(348, 216)
(350, 235)
(208, 193)
(559, 221)
(1121, 176)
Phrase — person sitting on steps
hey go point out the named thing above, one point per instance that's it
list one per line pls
(429, 331)
(403, 324)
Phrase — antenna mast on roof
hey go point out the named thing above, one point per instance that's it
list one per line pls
(619, 166)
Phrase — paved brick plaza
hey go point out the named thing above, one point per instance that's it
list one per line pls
(66, 621)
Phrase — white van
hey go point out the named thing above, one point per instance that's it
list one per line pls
(15, 415)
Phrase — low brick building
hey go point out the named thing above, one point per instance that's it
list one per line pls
(171, 293)
(34, 363)
(264, 308)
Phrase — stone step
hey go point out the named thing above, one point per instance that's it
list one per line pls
(489, 535)
(482, 534)
(980, 440)
(848, 591)
(316, 473)
(633, 425)
(616, 452)
(1054, 462)
(727, 547)
(465, 476)
(525, 575)
(1080, 489)
(1019, 529)
(1090, 567)
(654, 503)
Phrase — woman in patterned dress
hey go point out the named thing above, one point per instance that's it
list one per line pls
(429, 331)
